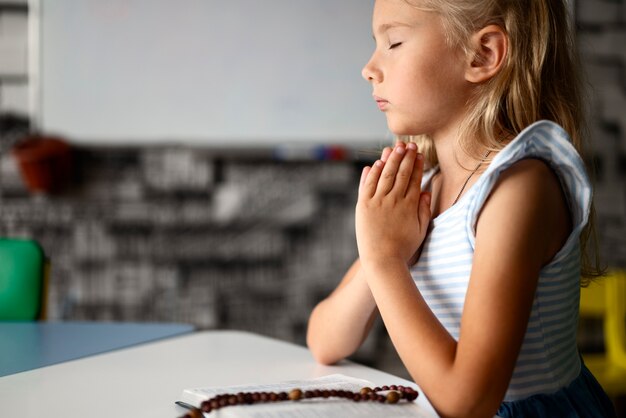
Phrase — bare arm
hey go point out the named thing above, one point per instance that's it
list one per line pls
(518, 231)
(339, 324)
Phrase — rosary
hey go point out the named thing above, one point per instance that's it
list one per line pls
(394, 394)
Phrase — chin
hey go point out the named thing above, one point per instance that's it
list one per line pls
(402, 129)
(405, 130)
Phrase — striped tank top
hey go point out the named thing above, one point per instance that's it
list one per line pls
(549, 358)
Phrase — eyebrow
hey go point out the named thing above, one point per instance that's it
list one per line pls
(386, 26)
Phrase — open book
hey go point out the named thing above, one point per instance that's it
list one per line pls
(308, 408)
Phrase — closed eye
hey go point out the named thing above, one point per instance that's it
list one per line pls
(392, 46)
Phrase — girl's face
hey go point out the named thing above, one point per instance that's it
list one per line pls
(417, 78)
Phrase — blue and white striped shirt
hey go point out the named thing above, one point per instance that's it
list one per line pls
(549, 358)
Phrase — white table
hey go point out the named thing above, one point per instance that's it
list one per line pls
(144, 381)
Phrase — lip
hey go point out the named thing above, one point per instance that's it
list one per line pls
(382, 103)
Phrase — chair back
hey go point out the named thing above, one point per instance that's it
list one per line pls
(23, 280)
(615, 325)
(606, 299)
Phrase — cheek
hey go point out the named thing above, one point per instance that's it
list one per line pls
(426, 84)
(443, 81)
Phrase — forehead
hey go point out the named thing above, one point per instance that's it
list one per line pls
(395, 13)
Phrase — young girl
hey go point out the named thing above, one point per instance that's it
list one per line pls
(474, 267)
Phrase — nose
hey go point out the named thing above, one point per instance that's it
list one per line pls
(371, 72)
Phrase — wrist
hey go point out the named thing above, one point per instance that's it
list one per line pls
(383, 265)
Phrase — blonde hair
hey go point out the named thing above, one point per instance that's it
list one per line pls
(539, 79)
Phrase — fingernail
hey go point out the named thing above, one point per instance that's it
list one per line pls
(420, 156)
(412, 146)
(378, 163)
(400, 150)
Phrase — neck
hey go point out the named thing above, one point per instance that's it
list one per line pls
(457, 171)
(454, 164)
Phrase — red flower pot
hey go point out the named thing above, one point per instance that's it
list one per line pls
(45, 163)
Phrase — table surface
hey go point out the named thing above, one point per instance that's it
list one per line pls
(145, 380)
(30, 345)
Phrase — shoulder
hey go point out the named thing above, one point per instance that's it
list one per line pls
(529, 173)
(541, 155)
(543, 139)
(528, 184)
(527, 203)
(537, 182)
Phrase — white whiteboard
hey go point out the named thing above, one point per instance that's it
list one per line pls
(230, 72)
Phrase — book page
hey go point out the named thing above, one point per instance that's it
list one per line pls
(308, 408)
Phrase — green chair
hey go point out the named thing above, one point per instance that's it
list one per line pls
(23, 280)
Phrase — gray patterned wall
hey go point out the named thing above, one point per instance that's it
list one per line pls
(602, 40)
(226, 239)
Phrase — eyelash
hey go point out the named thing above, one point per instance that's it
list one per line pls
(392, 46)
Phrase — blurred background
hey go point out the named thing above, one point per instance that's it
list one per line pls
(197, 161)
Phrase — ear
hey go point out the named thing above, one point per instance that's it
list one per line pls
(490, 47)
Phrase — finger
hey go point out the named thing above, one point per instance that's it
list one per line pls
(388, 174)
(405, 171)
(364, 173)
(423, 211)
(385, 155)
(370, 181)
(414, 188)
(388, 150)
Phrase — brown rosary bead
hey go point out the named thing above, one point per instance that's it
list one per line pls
(365, 390)
(408, 393)
(393, 397)
(205, 406)
(295, 395)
